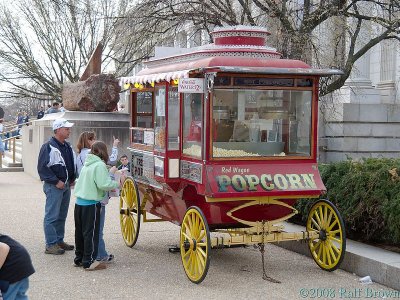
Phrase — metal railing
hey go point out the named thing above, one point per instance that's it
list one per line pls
(11, 140)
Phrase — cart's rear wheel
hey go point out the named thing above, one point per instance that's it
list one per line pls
(129, 207)
(195, 244)
(329, 248)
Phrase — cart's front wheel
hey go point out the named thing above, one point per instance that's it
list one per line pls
(129, 208)
(329, 248)
(195, 244)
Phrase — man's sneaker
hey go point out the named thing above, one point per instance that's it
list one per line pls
(96, 265)
(107, 259)
(55, 249)
(65, 246)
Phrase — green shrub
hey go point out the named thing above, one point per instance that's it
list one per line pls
(367, 195)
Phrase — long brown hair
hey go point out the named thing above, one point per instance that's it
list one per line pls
(99, 149)
(84, 138)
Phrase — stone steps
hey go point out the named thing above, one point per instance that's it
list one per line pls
(8, 165)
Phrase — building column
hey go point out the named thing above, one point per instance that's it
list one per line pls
(386, 85)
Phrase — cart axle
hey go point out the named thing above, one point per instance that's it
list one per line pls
(252, 239)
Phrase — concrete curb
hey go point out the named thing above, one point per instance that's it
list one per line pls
(383, 266)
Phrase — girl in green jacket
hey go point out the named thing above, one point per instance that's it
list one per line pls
(94, 180)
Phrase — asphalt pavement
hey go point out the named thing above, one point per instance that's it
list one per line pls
(150, 271)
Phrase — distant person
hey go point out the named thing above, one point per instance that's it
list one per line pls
(54, 109)
(3, 135)
(93, 182)
(25, 118)
(40, 113)
(19, 121)
(15, 269)
(62, 109)
(85, 142)
(125, 164)
(56, 167)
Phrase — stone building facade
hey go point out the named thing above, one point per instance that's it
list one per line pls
(362, 119)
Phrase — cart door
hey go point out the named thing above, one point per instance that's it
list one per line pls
(166, 132)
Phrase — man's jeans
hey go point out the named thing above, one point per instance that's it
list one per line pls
(102, 253)
(17, 290)
(55, 214)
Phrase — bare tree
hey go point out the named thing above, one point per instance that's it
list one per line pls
(296, 25)
(44, 43)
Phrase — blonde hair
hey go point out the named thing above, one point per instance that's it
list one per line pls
(84, 138)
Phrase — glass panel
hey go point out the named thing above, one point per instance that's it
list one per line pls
(173, 117)
(192, 125)
(144, 102)
(159, 128)
(261, 123)
(144, 121)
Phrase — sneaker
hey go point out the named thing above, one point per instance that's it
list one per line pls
(65, 246)
(107, 259)
(78, 263)
(96, 265)
(55, 249)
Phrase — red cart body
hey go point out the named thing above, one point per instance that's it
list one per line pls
(230, 129)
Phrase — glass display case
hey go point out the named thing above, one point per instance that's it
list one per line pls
(252, 122)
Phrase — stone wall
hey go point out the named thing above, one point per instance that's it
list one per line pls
(360, 130)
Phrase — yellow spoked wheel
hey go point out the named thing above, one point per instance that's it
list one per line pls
(129, 209)
(329, 248)
(195, 244)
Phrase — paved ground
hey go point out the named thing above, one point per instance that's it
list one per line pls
(149, 271)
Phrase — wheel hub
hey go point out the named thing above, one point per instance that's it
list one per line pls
(190, 244)
(322, 235)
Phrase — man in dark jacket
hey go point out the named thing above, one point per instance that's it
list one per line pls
(15, 268)
(40, 113)
(56, 167)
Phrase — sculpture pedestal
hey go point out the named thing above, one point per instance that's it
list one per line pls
(105, 124)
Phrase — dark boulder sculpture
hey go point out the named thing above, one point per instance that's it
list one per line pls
(99, 93)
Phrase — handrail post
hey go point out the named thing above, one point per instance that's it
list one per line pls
(13, 155)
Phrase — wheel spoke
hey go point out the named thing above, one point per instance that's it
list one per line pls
(315, 246)
(190, 224)
(335, 239)
(318, 218)
(331, 251)
(202, 235)
(316, 224)
(330, 217)
(186, 236)
(333, 232)
(195, 225)
(332, 225)
(187, 253)
(191, 263)
(321, 216)
(323, 253)
(202, 262)
(328, 254)
(326, 214)
(319, 255)
(335, 248)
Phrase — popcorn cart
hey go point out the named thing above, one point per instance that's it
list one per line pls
(223, 144)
